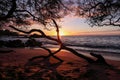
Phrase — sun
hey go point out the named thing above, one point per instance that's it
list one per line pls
(62, 33)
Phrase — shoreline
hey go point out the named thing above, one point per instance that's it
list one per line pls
(107, 55)
(20, 53)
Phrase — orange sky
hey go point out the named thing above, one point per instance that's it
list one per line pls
(76, 26)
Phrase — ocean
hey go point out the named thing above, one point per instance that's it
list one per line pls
(108, 46)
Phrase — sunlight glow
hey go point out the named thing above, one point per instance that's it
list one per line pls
(62, 33)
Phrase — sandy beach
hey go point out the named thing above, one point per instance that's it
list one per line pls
(72, 66)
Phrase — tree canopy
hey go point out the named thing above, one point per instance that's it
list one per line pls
(100, 12)
(25, 12)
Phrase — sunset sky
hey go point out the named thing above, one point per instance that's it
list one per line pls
(71, 25)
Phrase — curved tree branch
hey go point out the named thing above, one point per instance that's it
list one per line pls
(44, 35)
(34, 30)
(88, 59)
(62, 46)
(57, 30)
(50, 54)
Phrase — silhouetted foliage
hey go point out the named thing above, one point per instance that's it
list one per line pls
(2, 43)
(14, 43)
(31, 42)
(100, 12)
(19, 43)
(24, 12)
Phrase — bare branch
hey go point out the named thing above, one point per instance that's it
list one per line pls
(33, 30)
(57, 30)
(88, 59)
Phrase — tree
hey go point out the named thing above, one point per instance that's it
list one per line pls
(15, 13)
(100, 12)
(26, 12)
